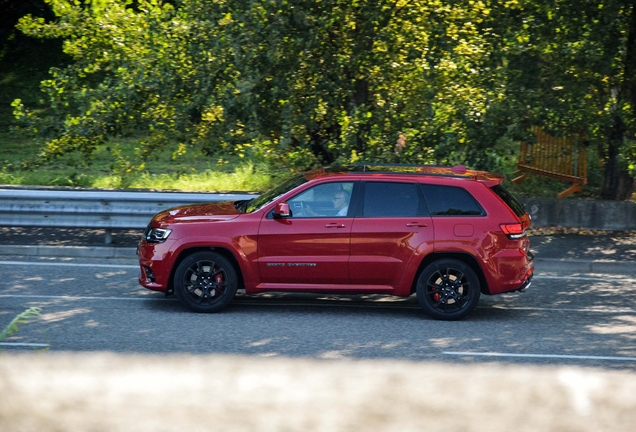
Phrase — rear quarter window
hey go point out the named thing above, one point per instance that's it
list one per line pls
(509, 199)
(450, 201)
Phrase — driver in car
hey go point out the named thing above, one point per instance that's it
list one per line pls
(340, 202)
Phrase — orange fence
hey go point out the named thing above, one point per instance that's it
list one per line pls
(563, 158)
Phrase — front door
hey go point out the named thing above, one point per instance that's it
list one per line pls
(311, 247)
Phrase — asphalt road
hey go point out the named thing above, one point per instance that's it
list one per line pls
(97, 305)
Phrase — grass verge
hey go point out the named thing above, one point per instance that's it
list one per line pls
(113, 166)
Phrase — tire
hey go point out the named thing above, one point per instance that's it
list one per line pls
(205, 282)
(448, 289)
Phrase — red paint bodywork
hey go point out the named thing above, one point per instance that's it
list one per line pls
(344, 255)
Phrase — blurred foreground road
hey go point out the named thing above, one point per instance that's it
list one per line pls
(106, 392)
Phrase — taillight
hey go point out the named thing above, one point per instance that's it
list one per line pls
(513, 230)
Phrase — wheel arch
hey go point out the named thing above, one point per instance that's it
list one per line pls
(461, 256)
(189, 251)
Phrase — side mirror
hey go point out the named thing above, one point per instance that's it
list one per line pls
(281, 211)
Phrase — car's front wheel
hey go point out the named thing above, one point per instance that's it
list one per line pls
(448, 289)
(205, 281)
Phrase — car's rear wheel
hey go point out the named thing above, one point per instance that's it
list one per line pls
(205, 281)
(448, 289)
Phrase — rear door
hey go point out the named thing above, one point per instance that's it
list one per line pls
(391, 223)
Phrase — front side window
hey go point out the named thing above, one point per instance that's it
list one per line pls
(450, 201)
(389, 199)
(323, 200)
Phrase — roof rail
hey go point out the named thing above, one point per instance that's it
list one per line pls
(455, 171)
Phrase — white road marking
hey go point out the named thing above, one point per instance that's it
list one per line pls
(583, 310)
(67, 297)
(125, 266)
(59, 264)
(547, 356)
(24, 344)
(587, 278)
(318, 303)
(606, 278)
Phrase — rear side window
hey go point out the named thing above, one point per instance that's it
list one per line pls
(509, 199)
(388, 199)
(450, 201)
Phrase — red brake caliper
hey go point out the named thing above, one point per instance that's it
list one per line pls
(436, 296)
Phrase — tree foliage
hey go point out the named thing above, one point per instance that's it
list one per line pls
(301, 81)
(572, 68)
(12, 11)
(304, 82)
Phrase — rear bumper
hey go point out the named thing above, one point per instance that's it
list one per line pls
(526, 284)
(509, 270)
(528, 281)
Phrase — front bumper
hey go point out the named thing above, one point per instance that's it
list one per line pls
(154, 265)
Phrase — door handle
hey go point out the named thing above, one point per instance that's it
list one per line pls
(334, 225)
(416, 225)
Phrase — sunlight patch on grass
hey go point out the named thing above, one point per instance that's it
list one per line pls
(247, 178)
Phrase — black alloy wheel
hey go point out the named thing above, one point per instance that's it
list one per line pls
(205, 282)
(448, 289)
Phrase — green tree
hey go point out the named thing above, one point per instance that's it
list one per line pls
(24, 61)
(12, 11)
(572, 66)
(305, 81)
(347, 78)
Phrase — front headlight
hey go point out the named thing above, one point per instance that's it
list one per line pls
(156, 235)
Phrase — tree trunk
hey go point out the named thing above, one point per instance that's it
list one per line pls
(618, 184)
(361, 98)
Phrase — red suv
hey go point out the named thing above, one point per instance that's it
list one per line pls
(445, 234)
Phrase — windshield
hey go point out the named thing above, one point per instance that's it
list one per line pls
(272, 194)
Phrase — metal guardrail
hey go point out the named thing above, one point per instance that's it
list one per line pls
(123, 209)
(94, 209)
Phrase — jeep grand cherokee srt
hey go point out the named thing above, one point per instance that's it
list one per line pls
(444, 234)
